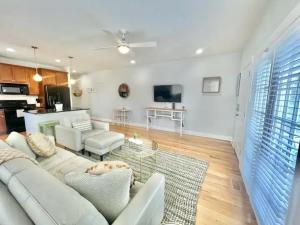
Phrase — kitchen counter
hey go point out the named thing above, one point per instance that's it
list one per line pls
(46, 111)
(33, 118)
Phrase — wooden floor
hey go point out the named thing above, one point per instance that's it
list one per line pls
(223, 200)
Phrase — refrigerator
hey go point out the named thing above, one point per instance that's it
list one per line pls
(57, 94)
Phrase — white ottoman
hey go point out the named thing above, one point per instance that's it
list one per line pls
(103, 143)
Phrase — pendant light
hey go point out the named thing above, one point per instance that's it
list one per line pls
(37, 77)
(72, 81)
(70, 64)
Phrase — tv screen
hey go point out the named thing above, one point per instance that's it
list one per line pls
(167, 93)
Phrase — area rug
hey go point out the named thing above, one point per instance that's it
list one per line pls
(184, 176)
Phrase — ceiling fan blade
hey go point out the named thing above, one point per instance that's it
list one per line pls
(106, 47)
(143, 44)
(111, 35)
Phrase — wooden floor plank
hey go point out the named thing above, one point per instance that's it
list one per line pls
(222, 200)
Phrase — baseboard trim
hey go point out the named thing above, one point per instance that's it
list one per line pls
(189, 132)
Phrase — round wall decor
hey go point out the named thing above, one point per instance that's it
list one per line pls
(77, 92)
(123, 90)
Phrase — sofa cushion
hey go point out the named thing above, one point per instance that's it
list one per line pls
(89, 133)
(46, 200)
(19, 142)
(64, 162)
(11, 213)
(4, 144)
(135, 189)
(82, 125)
(108, 192)
(41, 144)
(104, 139)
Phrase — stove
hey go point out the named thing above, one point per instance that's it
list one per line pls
(13, 112)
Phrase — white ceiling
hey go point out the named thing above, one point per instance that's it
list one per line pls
(74, 27)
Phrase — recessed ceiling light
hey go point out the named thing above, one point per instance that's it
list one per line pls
(10, 50)
(199, 51)
(74, 71)
(57, 60)
(132, 61)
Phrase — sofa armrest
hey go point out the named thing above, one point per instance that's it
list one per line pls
(100, 125)
(68, 137)
(147, 206)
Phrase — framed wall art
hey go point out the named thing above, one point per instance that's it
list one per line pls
(211, 85)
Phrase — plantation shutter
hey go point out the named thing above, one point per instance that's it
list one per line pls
(274, 133)
(258, 111)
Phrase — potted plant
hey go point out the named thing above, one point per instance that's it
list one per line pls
(135, 135)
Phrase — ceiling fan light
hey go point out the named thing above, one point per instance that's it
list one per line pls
(37, 77)
(123, 49)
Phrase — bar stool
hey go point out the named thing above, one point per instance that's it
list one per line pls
(47, 126)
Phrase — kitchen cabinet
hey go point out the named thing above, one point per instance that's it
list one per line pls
(24, 75)
(19, 74)
(61, 79)
(3, 128)
(6, 74)
(33, 85)
(49, 77)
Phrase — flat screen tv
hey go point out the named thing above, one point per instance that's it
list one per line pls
(167, 93)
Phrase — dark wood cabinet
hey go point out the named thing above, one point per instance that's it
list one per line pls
(33, 85)
(61, 79)
(19, 74)
(49, 77)
(6, 74)
(3, 128)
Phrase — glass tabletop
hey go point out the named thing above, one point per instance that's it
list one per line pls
(144, 148)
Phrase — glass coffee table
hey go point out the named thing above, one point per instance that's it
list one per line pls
(139, 150)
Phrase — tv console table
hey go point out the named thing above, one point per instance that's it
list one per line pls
(172, 114)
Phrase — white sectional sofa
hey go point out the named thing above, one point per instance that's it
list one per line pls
(36, 194)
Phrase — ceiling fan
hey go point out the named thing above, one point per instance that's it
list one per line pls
(124, 46)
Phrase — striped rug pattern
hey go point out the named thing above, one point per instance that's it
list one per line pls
(184, 177)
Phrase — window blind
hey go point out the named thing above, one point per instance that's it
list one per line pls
(274, 132)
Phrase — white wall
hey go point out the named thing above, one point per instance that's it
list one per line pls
(276, 19)
(207, 114)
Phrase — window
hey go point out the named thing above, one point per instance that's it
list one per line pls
(274, 132)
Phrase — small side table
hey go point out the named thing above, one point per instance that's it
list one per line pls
(135, 141)
(47, 126)
(139, 150)
(121, 116)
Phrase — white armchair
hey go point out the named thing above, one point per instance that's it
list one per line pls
(74, 139)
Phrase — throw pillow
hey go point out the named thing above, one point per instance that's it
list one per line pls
(19, 142)
(41, 144)
(82, 125)
(106, 166)
(108, 192)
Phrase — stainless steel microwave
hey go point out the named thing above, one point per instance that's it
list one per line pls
(14, 89)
